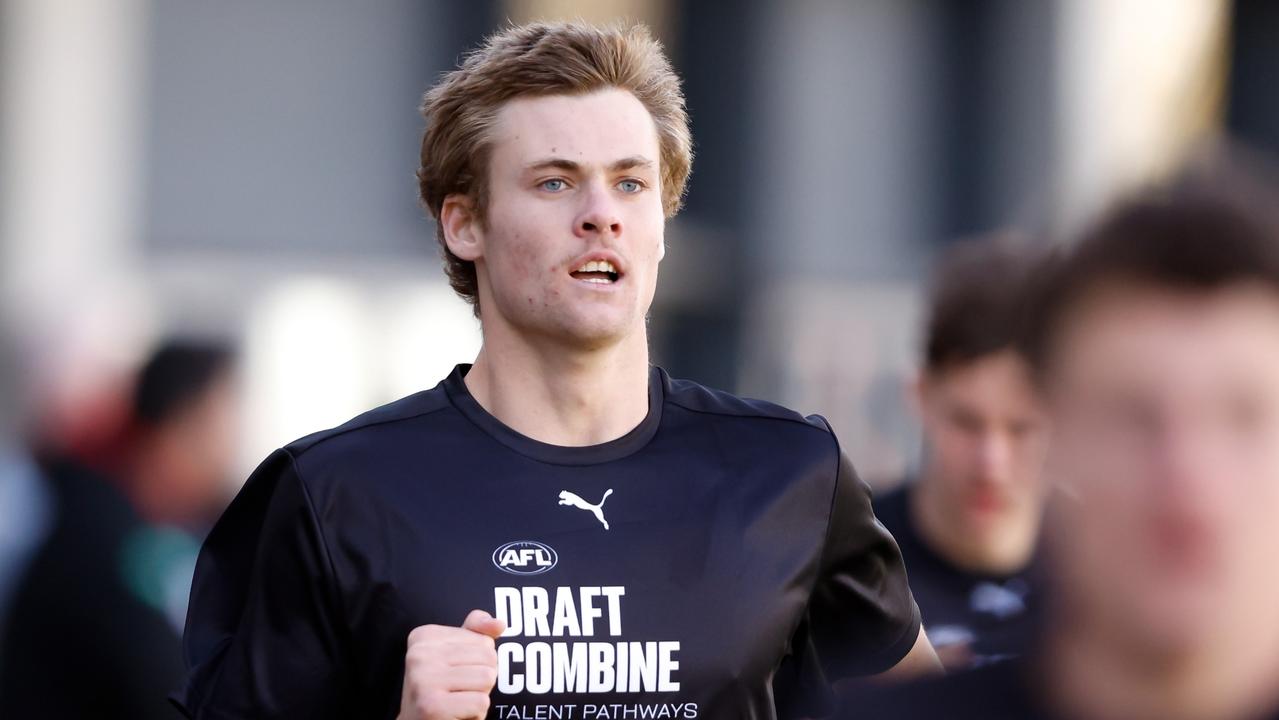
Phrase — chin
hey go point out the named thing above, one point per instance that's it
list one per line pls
(598, 328)
(987, 521)
(1175, 620)
(593, 334)
(589, 327)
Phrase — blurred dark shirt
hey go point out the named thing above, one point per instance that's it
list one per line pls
(1001, 691)
(88, 634)
(989, 614)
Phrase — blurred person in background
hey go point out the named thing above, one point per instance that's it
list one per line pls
(96, 621)
(402, 563)
(1156, 343)
(182, 449)
(968, 524)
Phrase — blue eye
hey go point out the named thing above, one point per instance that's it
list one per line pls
(553, 185)
(630, 186)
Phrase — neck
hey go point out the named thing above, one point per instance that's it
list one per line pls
(146, 493)
(1093, 675)
(569, 396)
(1002, 550)
(150, 489)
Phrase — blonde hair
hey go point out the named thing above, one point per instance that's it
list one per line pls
(541, 59)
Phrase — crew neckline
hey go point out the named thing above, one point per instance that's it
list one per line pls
(925, 548)
(639, 436)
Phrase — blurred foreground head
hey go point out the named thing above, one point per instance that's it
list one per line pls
(1156, 341)
(979, 496)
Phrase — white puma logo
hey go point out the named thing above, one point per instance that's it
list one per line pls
(568, 498)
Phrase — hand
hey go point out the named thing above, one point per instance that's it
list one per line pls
(450, 671)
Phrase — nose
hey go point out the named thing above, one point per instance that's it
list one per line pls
(994, 457)
(1189, 464)
(599, 215)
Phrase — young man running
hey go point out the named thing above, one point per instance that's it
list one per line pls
(614, 543)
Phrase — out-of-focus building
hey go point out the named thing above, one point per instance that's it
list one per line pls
(246, 169)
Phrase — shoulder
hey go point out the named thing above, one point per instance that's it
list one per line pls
(381, 422)
(755, 432)
(368, 448)
(697, 398)
(90, 514)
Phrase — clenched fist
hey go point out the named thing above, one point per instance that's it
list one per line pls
(449, 671)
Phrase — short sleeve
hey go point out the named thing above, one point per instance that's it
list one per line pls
(263, 635)
(863, 616)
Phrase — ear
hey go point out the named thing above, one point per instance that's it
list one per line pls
(661, 249)
(463, 233)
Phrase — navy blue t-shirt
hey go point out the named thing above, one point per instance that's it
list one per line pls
(991, 617)
(999, 691)
(721, 560)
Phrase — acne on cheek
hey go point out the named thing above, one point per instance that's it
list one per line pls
(521, 259)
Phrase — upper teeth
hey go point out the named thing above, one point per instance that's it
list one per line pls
(598, 266)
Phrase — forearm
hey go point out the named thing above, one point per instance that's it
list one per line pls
(921, 661)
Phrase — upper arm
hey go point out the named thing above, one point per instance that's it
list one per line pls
(861, 619)
(263, 636)
(921, 661)
(863, 614)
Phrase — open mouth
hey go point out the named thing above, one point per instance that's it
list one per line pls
(600, 272)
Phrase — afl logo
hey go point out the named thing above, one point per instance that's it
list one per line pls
(525, 557)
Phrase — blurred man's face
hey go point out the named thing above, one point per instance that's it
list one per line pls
(575, 221)
(1166, 415)
(985, 437)
(194, 452)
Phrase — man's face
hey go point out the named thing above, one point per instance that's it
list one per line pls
(574, 226)
(1166, 416)
(194, 450)
(985, 438)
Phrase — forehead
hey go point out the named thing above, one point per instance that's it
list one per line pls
(1147, 334)
(998, 381)
(600, 126)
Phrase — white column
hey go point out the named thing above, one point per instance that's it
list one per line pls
(1140, 84)
(72, 104)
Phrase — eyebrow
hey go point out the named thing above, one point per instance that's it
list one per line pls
(626, 163)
